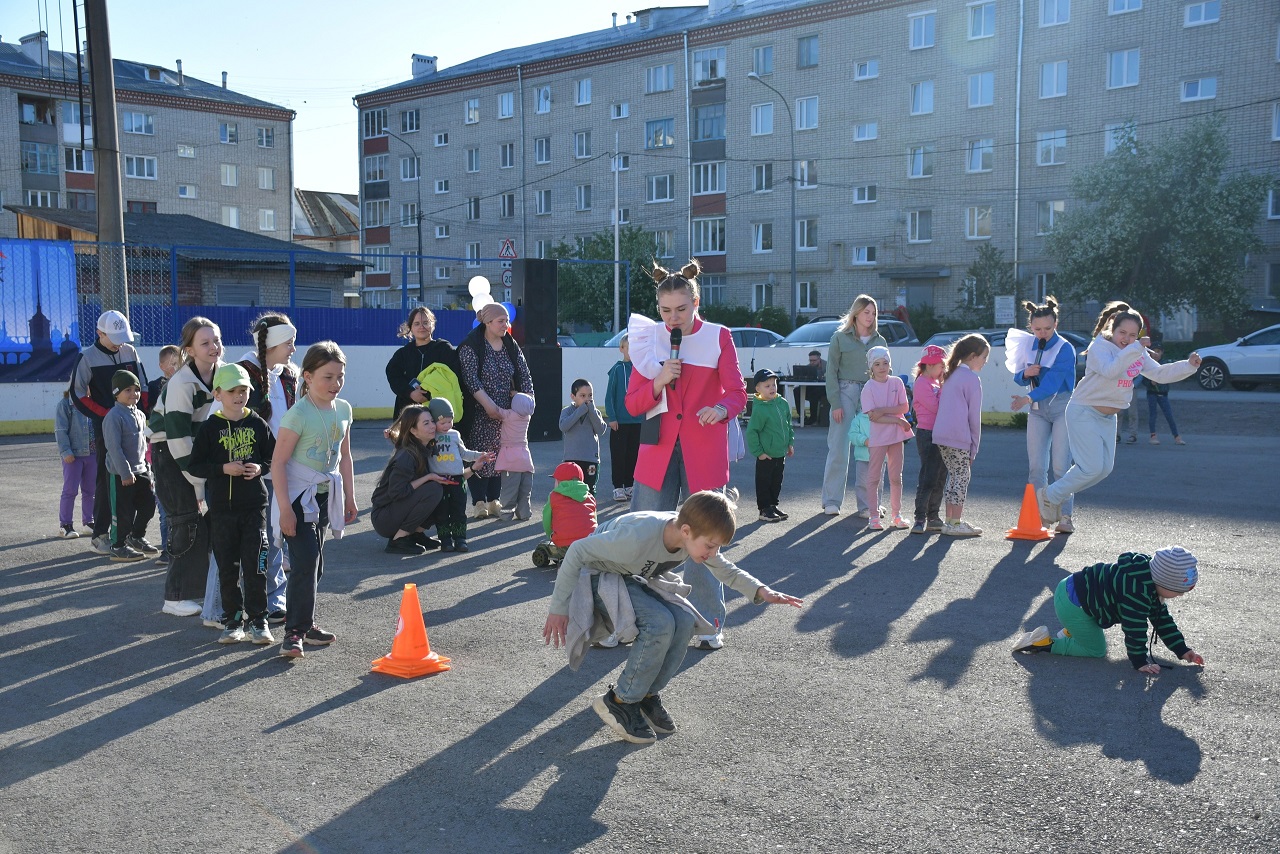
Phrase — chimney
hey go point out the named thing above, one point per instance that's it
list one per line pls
(181, 78)
(628, 19)
(615, 20)
(422, 66)
(224, 80)
(36, 48)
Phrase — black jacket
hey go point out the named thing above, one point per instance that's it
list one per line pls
(410, 360)
(220, 441)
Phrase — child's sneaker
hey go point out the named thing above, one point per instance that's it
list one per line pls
(428, 543)
(625, 719)
(1036, 640)
(933, 525)
(277, 618)
(495, 509)
(608, 642)
(67, 532)
(777, 511)
(101, 544)
(656, 714)
(629, 490)
(233, 633)
(619, 494)
(317, 636)
(446, 544)
(212, 623)
(874, 524)
(767, 515)
(460, 546)
(261, 635)
(961, 528)
(1049, 513)
(403, 546)
(919, 527)
(123, 554)
(480, 510)
(898, 522)
(163, 559)
(710, 642)
(140, 544)
(292, 646)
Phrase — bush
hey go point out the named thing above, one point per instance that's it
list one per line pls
(727, 315)
(774, 318)
(1019, 421)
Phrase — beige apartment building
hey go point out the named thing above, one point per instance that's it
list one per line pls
(187, 146)
(921, 130)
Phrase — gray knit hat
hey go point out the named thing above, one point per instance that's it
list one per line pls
(1174, 568)
(439, 408)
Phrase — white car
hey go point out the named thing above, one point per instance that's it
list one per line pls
(1251, 360)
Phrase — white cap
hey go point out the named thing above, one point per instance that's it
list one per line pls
(116, 326)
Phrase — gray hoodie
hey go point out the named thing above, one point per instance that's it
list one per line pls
(124, 431)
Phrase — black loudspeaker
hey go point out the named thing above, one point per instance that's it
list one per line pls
(546, 366)
(534, 287)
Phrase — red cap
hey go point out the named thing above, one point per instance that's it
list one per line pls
(568, 471)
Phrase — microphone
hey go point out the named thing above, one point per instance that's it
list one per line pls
(677, 335)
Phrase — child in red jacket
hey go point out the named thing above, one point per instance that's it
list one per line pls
(570, 512)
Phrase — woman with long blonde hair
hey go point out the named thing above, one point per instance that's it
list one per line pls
(846, 374)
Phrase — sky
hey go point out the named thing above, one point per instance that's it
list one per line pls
(313, 57)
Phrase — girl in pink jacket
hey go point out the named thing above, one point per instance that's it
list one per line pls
(515, 460)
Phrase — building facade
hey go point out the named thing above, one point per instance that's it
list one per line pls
(920, 132)
(187, 146)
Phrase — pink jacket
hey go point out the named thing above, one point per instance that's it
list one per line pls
(513, 452)
(890, 393)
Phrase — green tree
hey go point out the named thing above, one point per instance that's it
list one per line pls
(988, 276)
(1161, 225)
(586, 290)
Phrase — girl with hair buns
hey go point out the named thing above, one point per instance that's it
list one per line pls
(691, 398)
(1045, 362)
(1115, 357)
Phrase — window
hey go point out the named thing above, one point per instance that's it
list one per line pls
(442, 232)
(659, 78)
(620, 163)
(72, 115)
(922, 26)
(582, 92)
(542, 149)
(761, 119)
(137, 123)
(539, 249)
(807, 52)
(1119, 7)
(442, 139)
(1201, 13)
(978, 223)
(865, 131)
(864, 195)
(228, 133)
(81, 201)
(982, 20)
(661, 188)
(920, 225)
(982, 89)
(186, 150)
(139, 167)
(1115, 132)
(473, 160)
(473, 208)
(864, 255)
(920, 161)
(187, 191)
(1275, 122)
(375, 168)
(1053, 79)
(410, 169)
(542, 99)
(761, 296)
(1202, 89)
(1051, 148)
(542, 202)
(231, 216)
(506, 105)
(922, 97)
(1054, 12)
(582, 197)
(712, 288)
(1273, 204)
(266, 178)
(660, 133)
(266, 219)
(708, 65)
(442, 186)
(623, 215)
(471, 111)
(79, 159)
(979, 155)
(473, 254)
(806, 174)
(807, 113)
(708, 122)
(443, 272)
(375, 123)
(582, 144)
(42, 199)
(507, 205)
(230, 174)
(708, 236)
(409, 121)
(506, 155)
(867, 69)
(708, 178)
(1043, 285)
(1047, 214)
(808, 296)
(411, 263)
(408, 214)
(762, 60)
(762, 237)
(806, 235)
(664, 243)
(762, 178)
(1122, 68)
(377, 213)
(620, 110)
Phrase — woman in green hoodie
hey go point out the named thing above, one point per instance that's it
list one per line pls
(846, 374)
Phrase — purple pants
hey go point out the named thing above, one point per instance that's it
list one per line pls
(78, 476)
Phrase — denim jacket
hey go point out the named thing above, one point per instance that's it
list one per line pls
(72, 429)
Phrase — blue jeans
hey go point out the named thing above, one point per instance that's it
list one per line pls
(1048, 444)
(1161, 400)
(835, 476)
(659, 649)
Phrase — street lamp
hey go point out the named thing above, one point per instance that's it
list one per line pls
(422, 282)
(791, 123)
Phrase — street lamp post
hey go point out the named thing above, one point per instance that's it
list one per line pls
(422, 282)
(791, 123)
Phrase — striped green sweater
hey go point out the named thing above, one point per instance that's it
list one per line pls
(186, 406)
(1124, 593)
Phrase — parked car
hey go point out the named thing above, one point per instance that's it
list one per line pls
(566, 341)
(1081, 343)
(995, 337)
(743, 336)
(1245, 363)
(816, 332)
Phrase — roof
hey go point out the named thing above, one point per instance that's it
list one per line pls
(658, 22)
(130, 77)
(195, 239)
(325, 215)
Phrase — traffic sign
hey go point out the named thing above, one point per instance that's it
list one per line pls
(506, 278)
(508, 249)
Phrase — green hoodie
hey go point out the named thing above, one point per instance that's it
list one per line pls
(575, 489)
(769, 431)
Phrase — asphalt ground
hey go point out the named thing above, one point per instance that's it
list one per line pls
(888, 713)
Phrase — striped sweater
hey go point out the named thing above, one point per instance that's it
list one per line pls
(185, 407)
(1124, 593)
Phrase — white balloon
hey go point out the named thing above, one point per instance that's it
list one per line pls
(478, 285)
(479, 301)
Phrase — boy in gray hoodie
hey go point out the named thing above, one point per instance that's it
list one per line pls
(124, 434)
(582, 426)
(449, 459)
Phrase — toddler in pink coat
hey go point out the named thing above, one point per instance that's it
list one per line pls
(515, 460)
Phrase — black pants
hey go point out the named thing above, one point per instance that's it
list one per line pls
(188, 530)
(624, 449)
(412, 513)
(933, 477)
(239, 540)
(135, 506)
(485, 488)
(306, 566)
(769, 482)
(102, 508)
(452, 518)
(590, 473)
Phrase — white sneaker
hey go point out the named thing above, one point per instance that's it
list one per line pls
(1049, 513)
(212, 624)
(183, 608)
(831, 510)
(480, 510)
(495, 509)
(608, 643)
(961, 529)
(715, 641)
(1065, 525)
(619, 494)
(1036, 640)
(629, 490)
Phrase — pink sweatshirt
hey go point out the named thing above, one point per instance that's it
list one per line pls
(925, 398)
(513, 452)
(877, 395)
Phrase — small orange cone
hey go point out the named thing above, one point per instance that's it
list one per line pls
(411, 653)
(1029, 527)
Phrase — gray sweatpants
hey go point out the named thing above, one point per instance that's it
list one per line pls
(517, 493)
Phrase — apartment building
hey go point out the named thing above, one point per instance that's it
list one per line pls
(904, 134)
(187, 146)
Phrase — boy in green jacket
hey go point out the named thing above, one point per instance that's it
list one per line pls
(770, 439)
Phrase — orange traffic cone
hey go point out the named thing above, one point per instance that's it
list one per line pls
(1029, 527)
(411, 653)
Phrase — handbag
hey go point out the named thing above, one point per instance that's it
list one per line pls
(737, 444)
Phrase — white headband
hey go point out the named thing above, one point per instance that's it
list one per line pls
(279, 334)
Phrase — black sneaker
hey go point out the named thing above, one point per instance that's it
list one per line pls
(777, 511)
(163, 559)
(292, 646)
(124, 554)
(140, 544)
(428, 543)
(460, 546)
(656, 714)
(625, 719)
(317, 636)
(403, 546)
(767, 515)
(276, 618)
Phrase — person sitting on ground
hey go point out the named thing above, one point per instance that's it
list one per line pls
(408, 495)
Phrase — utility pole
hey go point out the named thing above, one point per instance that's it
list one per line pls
(112, 271)
(617, 167)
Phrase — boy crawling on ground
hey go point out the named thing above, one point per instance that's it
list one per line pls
(642, 548)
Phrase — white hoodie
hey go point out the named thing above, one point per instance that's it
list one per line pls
(1109, 373)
